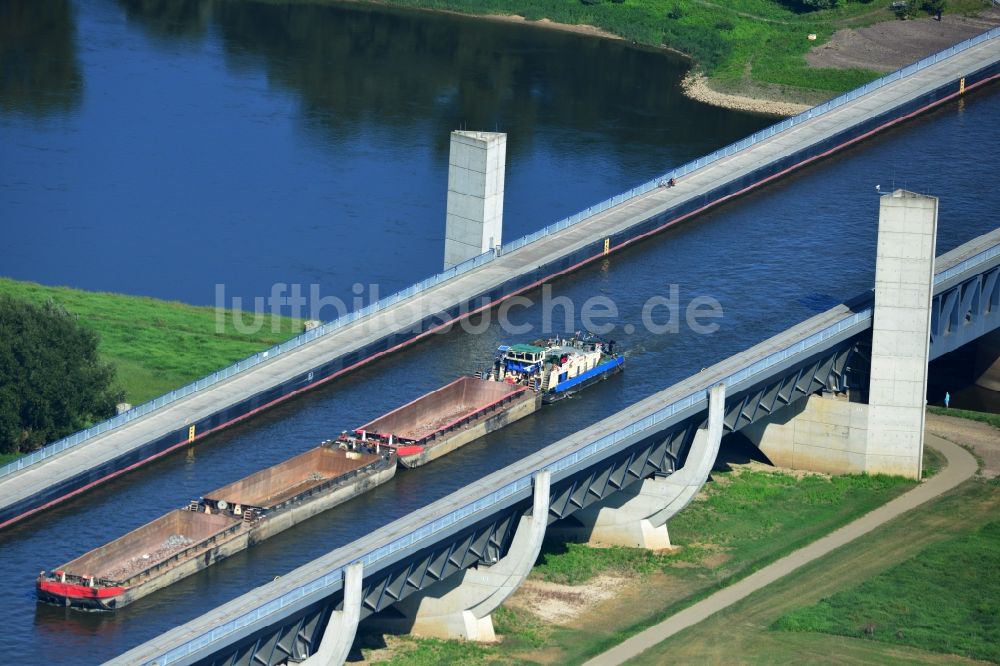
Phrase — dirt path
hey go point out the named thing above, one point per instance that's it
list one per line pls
(887, 46)
(961, 465)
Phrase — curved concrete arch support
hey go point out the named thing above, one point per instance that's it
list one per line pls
(460, 606)
(343, 625)
(637, 516)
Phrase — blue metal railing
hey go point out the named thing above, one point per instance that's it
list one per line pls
(972, 261)
(241, 366)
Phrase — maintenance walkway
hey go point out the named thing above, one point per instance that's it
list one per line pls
(538, 258)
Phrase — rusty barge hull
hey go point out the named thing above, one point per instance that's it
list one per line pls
(225, 522)
(450, 417)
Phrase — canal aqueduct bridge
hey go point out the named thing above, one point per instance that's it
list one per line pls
(66, 468)
(448, 565)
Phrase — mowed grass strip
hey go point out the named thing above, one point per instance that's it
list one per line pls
(157, 345)
(982, 417)
(946, 599)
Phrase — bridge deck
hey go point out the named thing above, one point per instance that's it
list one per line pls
(356, 550)
(404, 315)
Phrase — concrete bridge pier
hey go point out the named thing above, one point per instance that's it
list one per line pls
(476, 169)
(637, 516)
(461, 606)
(343, 625)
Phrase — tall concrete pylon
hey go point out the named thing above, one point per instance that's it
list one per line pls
(904, 283)
(828, 434)
(637, 516)
(461, 606)
(476, 169)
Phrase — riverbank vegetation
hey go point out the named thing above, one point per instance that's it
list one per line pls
(756, 48)
(155, 346)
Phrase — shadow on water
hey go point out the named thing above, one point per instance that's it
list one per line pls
(323, 129)
(39, 72)
(357, 66)
(170, 19)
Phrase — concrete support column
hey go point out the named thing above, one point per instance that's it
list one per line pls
(340, 630)
(904, 276)
(987, 370)
(476, 168)
(460, 606)
(637, 516)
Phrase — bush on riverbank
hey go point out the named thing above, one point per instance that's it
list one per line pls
(52, 382)
(156, 345)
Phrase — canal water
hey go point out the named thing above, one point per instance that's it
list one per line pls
(257, 80)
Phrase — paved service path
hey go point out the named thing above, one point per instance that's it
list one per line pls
(961, 466)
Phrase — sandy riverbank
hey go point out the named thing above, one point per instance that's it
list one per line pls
(882, 47)
(696, 86)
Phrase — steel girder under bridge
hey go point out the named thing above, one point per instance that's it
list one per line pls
(481, 540)
(470, 529)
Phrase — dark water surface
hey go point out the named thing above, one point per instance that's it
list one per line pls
(245, 71)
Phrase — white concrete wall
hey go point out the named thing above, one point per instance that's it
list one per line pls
(818, 433)
(904, 273)
(476, 168)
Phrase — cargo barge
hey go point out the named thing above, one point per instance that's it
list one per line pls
(452, 416)
(218, 525)
(522, 378)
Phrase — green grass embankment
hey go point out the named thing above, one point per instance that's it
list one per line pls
(156, 345)
(982, 417)
(893, 553)
(743, 520)
(755, 46)
(946, 599)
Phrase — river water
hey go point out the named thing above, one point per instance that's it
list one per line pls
(235, 129)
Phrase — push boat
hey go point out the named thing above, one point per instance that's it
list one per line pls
(211, 528)
(556, 368)
(522, 378)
